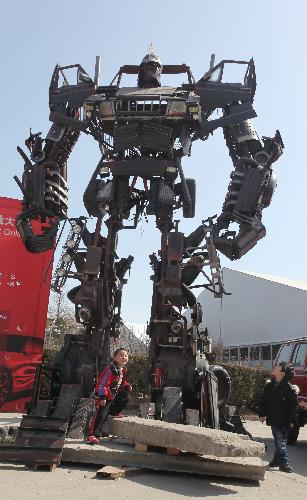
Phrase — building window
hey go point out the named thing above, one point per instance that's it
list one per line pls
(234, 354)
(266, 352)
(254, 353)
(244, 354)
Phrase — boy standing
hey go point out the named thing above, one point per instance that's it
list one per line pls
(279, 407)
(111, 394)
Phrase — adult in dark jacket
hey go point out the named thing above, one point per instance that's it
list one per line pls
(279, 407)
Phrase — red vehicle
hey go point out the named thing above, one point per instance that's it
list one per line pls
(295, 352)
(24, 294)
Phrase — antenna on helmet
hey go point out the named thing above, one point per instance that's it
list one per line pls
(151, 50)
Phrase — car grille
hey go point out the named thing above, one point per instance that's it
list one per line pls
(127, 107)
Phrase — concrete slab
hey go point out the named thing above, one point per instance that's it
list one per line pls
(199, 440)
(10, 418)
(116, 453)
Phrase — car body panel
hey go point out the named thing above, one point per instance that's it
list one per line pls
(294, 352)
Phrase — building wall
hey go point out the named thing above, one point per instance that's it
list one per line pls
(258, 311)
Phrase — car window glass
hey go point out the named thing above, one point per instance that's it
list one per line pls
(275, 350)
(285, 353)
(301, 357)
(216, 75)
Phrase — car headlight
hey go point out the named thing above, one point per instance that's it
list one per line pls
(106, 110)
(176, 108)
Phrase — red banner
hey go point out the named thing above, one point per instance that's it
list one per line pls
(24, 294)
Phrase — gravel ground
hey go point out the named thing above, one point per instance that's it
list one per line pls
(75, 482)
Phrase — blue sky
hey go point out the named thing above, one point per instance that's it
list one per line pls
(35, 35)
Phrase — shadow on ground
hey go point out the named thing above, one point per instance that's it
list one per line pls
(191, 485)
(187, 485)
(297, 454)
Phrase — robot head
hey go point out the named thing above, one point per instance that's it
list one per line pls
(150, 71)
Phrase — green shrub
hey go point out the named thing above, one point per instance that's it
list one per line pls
(247, 385)
(138, 373)
(48, 357)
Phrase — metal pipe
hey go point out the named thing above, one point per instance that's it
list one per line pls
(97, 71)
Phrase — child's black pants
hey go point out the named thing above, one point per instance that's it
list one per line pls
(112, 407)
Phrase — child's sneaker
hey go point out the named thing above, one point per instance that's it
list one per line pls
(286, 468)
(92, 440)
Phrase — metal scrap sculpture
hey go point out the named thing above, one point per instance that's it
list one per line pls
(143, 134)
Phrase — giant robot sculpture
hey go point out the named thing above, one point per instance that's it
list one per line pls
(143, 134)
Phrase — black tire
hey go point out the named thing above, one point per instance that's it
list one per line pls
(293, 434)
(224, 384)
(187, 210)
(191, 388)
(269, 191)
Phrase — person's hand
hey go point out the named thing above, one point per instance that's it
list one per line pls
(103, 402)
(262, 419)
(130, 388)
(291, 426)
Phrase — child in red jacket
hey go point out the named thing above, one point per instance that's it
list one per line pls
(111, 394)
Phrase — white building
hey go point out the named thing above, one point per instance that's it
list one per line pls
(260, 313)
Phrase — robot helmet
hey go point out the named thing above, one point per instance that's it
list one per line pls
(150, 70)
(151, 58)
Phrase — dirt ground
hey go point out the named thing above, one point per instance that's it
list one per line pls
(74, 482)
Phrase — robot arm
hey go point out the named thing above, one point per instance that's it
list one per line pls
(250, 190)
(252, 182)
(44, 178)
